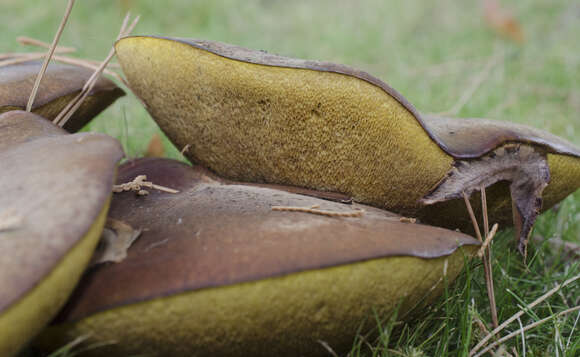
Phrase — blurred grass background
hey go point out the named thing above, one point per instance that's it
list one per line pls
(435, 53)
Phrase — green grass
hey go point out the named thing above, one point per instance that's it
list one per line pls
(431, 52)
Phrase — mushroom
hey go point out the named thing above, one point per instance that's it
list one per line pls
(230, 269)
(59, 85)
(257, 117)
(55, 191)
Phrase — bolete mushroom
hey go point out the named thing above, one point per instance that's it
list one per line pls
(59, 85)
(55, 191)
(257, 117)
(220, 271)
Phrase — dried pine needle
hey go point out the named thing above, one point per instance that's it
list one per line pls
(477, 349)
(487, 241)
(486, 258)
(357, 213)
(522, 329)
(25, 40)
(49, 55)
(62, 118)
(184, 150)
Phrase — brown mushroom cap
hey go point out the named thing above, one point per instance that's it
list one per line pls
(59, 85)
(18, 126)
(474, 137)
(55, 192)
(214, 236)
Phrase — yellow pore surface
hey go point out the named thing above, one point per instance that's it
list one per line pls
(564, 178)
(301, 127)
(26, 318)
(273, 317)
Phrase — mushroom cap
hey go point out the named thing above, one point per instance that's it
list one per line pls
(475, 136)
(292, 126)
(217, 253)
(257, 117)
(467, 138)
(18, 126)
(59, 85)
(55, 194)
(460, 138)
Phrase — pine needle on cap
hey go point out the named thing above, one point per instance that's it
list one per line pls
(49, 55)
(357, 213)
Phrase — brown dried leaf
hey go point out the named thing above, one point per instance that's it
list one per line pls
(117, 237)
(155, 147)
(502, 21)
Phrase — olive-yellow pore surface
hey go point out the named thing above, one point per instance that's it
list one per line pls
(302, 127)
(272, 317)
(24, 319)
(564, 178)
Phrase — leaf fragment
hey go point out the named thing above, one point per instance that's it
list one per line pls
(502, 21)
(155, 147)
(117, 237)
